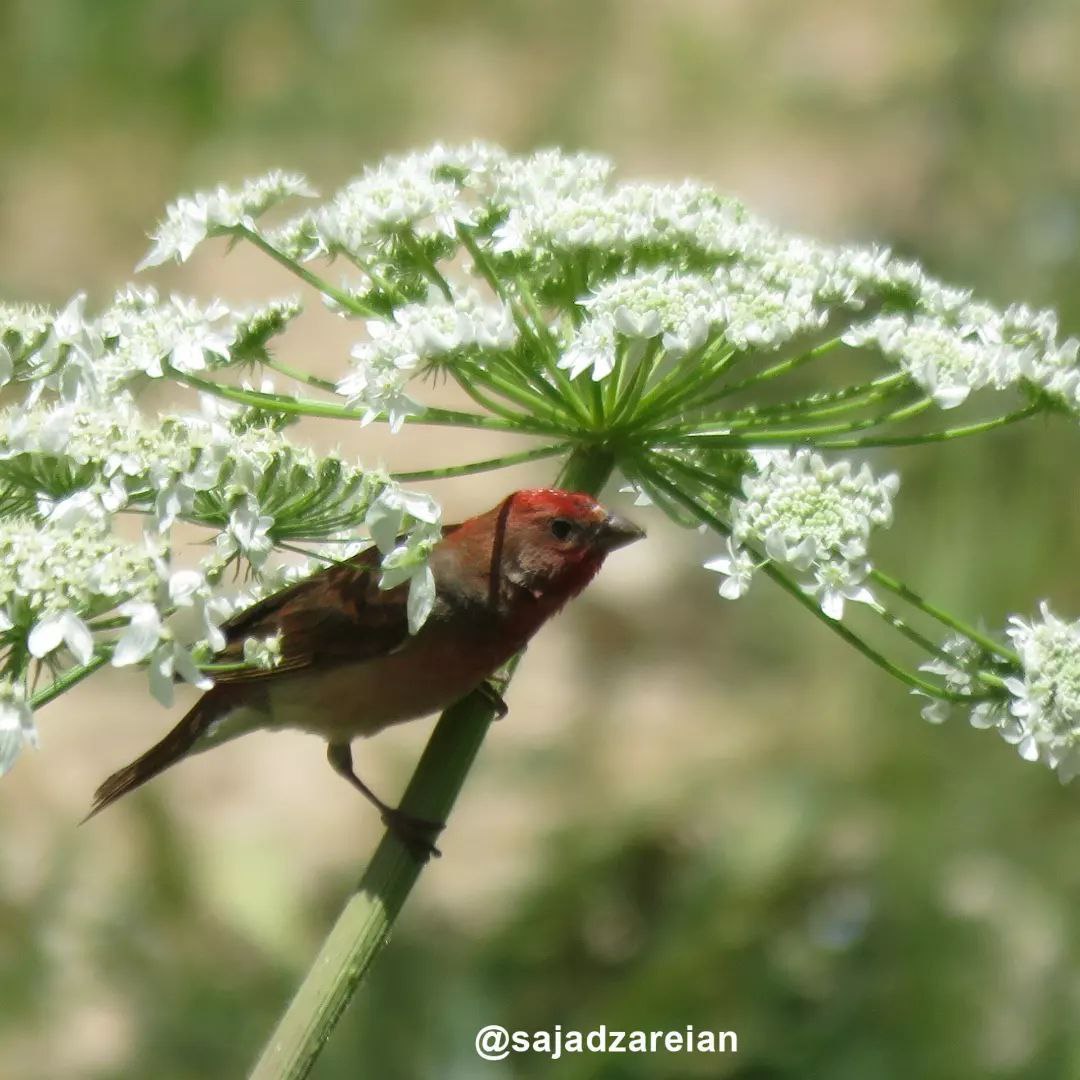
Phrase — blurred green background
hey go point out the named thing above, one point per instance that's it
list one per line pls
(696, 812)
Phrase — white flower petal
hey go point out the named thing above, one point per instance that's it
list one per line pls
(46, 635)
(421, 598)
(140, 637)
(78, 638)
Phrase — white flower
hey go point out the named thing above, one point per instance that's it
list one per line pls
(421, 599)
(1045, 705)
(171, 659)
(594, 346)
(839, 581)
(936, 711)
(263, 652)
(737, 568)
(386, 517)
(415, 193)
(189, 588)
(141, 635)
(417, 333)
(16, 725)
(190, 220)
(247, 534)
(947, 364)
(679, 309)
(405, 556)
(61, 628)
(147, 332)
(814, 516)
(641, 496)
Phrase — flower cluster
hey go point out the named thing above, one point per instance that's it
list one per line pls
(23, 328)
(192, 219)
(1038, 711)
(71, 591)
(49, 570)
(953, 346)
(641, 260)
(77, 357)
(655, 323)
(682, 310)
(811, 516)
(416, 336)
(1044, 710)
(959, 665)
(59, 579)
(86, 458)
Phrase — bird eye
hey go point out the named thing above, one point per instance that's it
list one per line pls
(561, 529)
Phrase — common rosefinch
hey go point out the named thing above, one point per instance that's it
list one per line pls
(350, 667)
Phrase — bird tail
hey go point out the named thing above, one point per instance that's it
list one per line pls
(174, 746)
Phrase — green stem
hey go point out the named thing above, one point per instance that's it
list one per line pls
(803, 435)
(550, 353)
(349, 303)
(69, 679)
(842, 401)
(782, 367)
(511, 387)
(898, 588)
(703, 514)
(387, 288)
(431, 271)
(468, 385)
(931, 436)
(300, 376)
(504, 462)
(281, 403)
(905, 629)
(365, 924)
(674, 391)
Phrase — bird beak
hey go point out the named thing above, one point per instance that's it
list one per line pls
(616, 532)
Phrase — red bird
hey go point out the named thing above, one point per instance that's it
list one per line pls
(349, 665)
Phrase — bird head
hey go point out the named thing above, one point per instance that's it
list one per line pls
(553, 542)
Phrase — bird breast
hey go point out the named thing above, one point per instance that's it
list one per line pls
(428, 674)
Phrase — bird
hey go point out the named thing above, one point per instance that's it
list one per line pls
(349, 666)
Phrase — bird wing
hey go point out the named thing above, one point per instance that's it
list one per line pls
(338, 615)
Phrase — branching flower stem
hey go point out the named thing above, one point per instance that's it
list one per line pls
(929, 437)
(656, 477)
(504, 462)
(281, 403)
(70, 678)
(347, 302)
(905, 592)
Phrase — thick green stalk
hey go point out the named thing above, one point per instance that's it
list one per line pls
(364, 926)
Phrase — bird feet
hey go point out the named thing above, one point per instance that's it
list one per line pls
(417, 834)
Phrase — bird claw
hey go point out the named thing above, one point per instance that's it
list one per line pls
(415, 833)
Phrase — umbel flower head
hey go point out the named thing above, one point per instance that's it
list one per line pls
(617, 263)
(1039, 712)
(1044, 711)
(811, 516)
(660, 329)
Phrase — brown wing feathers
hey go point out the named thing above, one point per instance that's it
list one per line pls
(338, 615)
